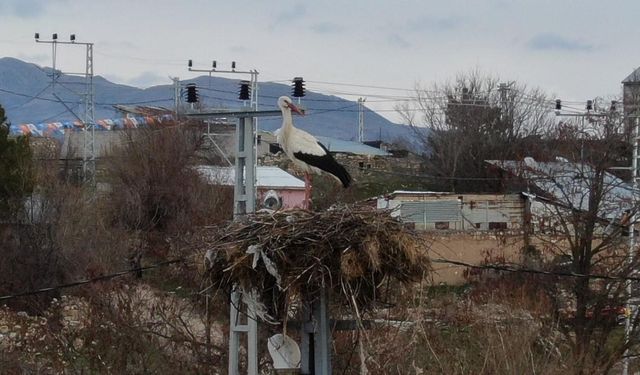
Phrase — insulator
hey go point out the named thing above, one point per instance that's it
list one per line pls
(558, 104)
(190, 63)
(589, 105)
(54, 36)
(298, 87)
(72, 37)
(192, 93)
(613, 105)
(245, 91)
(214, 64)
(233, 65)
(37, 35)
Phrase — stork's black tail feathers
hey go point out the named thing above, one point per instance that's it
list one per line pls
(326, 163)
(342, 175)
(330, 165)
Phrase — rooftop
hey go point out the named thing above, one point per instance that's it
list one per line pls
(634, 77)
(266, 177)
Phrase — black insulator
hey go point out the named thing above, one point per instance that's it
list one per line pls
(589, 105)
(214, 64)
(72, 37)
(192, 93)
(233, 65)
(613, 105)
(245, 91)
(54, 36)
(558, 104)
(298, 87)
(190, 63)
(37, 35)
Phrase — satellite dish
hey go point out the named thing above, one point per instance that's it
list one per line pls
(272, 200)
(284, 352)
(530, 162)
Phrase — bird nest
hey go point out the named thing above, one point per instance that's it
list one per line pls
(296, 254)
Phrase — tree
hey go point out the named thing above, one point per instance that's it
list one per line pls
(582, 219)
(473, 119)
(16, 171)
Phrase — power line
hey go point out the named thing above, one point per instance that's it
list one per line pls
(90, 281)
(504, 268)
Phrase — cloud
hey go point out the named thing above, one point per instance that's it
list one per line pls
(290, 15)
(549, 41)
(238, 49)
(147, 79)
(326, 28)
(433, 24)
(397, 41)
(23, 8)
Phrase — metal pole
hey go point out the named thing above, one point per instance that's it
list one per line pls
(361, 119)
(631, 255)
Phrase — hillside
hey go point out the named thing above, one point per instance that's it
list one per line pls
(27, 96)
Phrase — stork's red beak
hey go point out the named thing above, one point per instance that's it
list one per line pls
(295, 109)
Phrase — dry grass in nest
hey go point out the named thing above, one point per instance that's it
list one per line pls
(348, 251)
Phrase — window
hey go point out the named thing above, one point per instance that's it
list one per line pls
(442, 225)
(497, 225)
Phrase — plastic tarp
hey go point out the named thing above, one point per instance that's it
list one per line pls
(57, 129)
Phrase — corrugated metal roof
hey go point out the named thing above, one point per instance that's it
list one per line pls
(336, 145)
(266, 177)
(430, 211)
(569, 184)
(349, 147)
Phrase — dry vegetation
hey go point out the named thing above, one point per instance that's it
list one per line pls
(174, 319)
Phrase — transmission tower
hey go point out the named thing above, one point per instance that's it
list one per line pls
(361, 119)
(88, 118)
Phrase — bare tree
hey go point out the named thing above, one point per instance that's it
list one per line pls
(474, 118)
(581, 217)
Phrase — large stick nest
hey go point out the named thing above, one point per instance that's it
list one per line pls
(348, 252)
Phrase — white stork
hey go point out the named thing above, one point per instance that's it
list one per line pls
(305, 150)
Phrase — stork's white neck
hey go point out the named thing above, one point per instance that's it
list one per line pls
(287, 119)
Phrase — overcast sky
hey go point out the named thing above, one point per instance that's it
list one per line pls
(573, 49)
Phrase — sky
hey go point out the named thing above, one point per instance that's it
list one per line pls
(573, 50)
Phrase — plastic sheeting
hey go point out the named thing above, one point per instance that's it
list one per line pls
(57, 129)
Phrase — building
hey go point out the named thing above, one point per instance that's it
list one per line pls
(429, 210)
(564, 187)
(631, 98)
(275, 187)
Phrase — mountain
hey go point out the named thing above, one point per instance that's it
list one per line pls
(27, 96)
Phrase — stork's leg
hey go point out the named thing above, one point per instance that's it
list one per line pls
(308, 185)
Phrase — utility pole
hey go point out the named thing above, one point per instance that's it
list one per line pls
(244, 203)
(88, 119)
(176, 96)
(631, 304)
(361, 119)
(504, 88)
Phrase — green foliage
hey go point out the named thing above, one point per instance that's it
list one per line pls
(16, 170)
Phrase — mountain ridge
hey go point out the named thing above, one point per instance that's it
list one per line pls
(27, 97)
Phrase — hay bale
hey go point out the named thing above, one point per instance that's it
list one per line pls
(347, 251)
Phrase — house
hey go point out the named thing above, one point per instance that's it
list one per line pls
(563, 186)
(275, 187)
(470, 228)
(429, 210)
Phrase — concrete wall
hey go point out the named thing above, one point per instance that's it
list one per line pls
(473, 248)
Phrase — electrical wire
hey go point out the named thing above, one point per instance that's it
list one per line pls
(91, 280)
(504, 268)
(494, 267)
